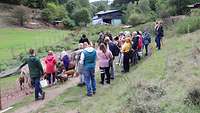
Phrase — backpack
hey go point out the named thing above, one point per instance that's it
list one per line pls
(139, 43)
(114, 49)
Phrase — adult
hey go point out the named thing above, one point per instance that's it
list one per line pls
(84, 39)
(64, 57)
(88, 59)
(111, 46)
(104, 57)
(79, 67)
(125, 50)
(135, 39)
(159, 34)
(146, 40)
(50, 62)
(36, 72)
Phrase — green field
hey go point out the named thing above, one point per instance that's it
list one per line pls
(159, 84)
(16, 40)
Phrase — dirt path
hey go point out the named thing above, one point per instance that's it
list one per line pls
(51, 94)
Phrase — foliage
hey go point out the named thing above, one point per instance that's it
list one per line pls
(71, 5)
(54, 12)
(188, 25)
(82, 16)
(69, 23)
(136, 19)
(21, 15)
(195, 12)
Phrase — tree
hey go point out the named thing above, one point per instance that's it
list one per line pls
(71, 5)
(82, 16)
(21, 15)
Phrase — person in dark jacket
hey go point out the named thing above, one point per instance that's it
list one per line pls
(146, 40)
(159, 34)
(36, 72)
(84, 39)
(135, 39)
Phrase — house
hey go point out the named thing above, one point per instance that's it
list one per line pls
(193, 6)
(113, 17)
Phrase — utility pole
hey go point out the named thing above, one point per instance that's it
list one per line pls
(0, 99)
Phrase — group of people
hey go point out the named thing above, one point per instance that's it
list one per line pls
(125, 49)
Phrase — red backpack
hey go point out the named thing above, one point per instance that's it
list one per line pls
(140, 42)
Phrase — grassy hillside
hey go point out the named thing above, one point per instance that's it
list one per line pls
(159, 84)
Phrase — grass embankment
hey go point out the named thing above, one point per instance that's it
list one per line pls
(158, 85)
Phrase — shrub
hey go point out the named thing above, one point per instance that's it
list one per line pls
(46, 14)
(136, 19)
(195, 12)
(68, 23)
(53, 12)
(190, 24)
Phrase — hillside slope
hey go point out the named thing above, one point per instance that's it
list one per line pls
(160, 84)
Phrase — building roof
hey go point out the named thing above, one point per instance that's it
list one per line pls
(106, 12)
(196, 5)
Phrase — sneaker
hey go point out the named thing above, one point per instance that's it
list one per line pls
(94, 92)
(89, 95)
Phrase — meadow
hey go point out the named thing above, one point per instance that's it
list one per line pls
(17, 40)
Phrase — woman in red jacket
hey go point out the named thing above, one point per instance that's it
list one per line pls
(50, 62)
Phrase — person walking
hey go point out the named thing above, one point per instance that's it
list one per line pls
(104, 57)
(50, 62)
(36, 72)
(125, 50)
(146, 40)
(88, 59)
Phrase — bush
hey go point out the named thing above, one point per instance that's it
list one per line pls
(53, 12)
(69, 23)
(195, 12)
(136, 19)
(188, 25)
(46, 14)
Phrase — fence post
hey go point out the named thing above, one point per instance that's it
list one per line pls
(0, 100)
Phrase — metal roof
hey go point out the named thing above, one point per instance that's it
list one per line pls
(106, 12)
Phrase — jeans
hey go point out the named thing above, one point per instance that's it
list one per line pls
(112, 70)
(38, 88)
(89, 75)
(81, 78)
(158, 42)
(134, 58)
(146, 49)
(126, 62)
(51, 76)
(105, 71)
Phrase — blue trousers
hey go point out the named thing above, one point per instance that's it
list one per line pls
(89, 76)
(158, 42)
(38, 88)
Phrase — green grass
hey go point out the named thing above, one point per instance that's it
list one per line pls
(169, 69)
(17, 40)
